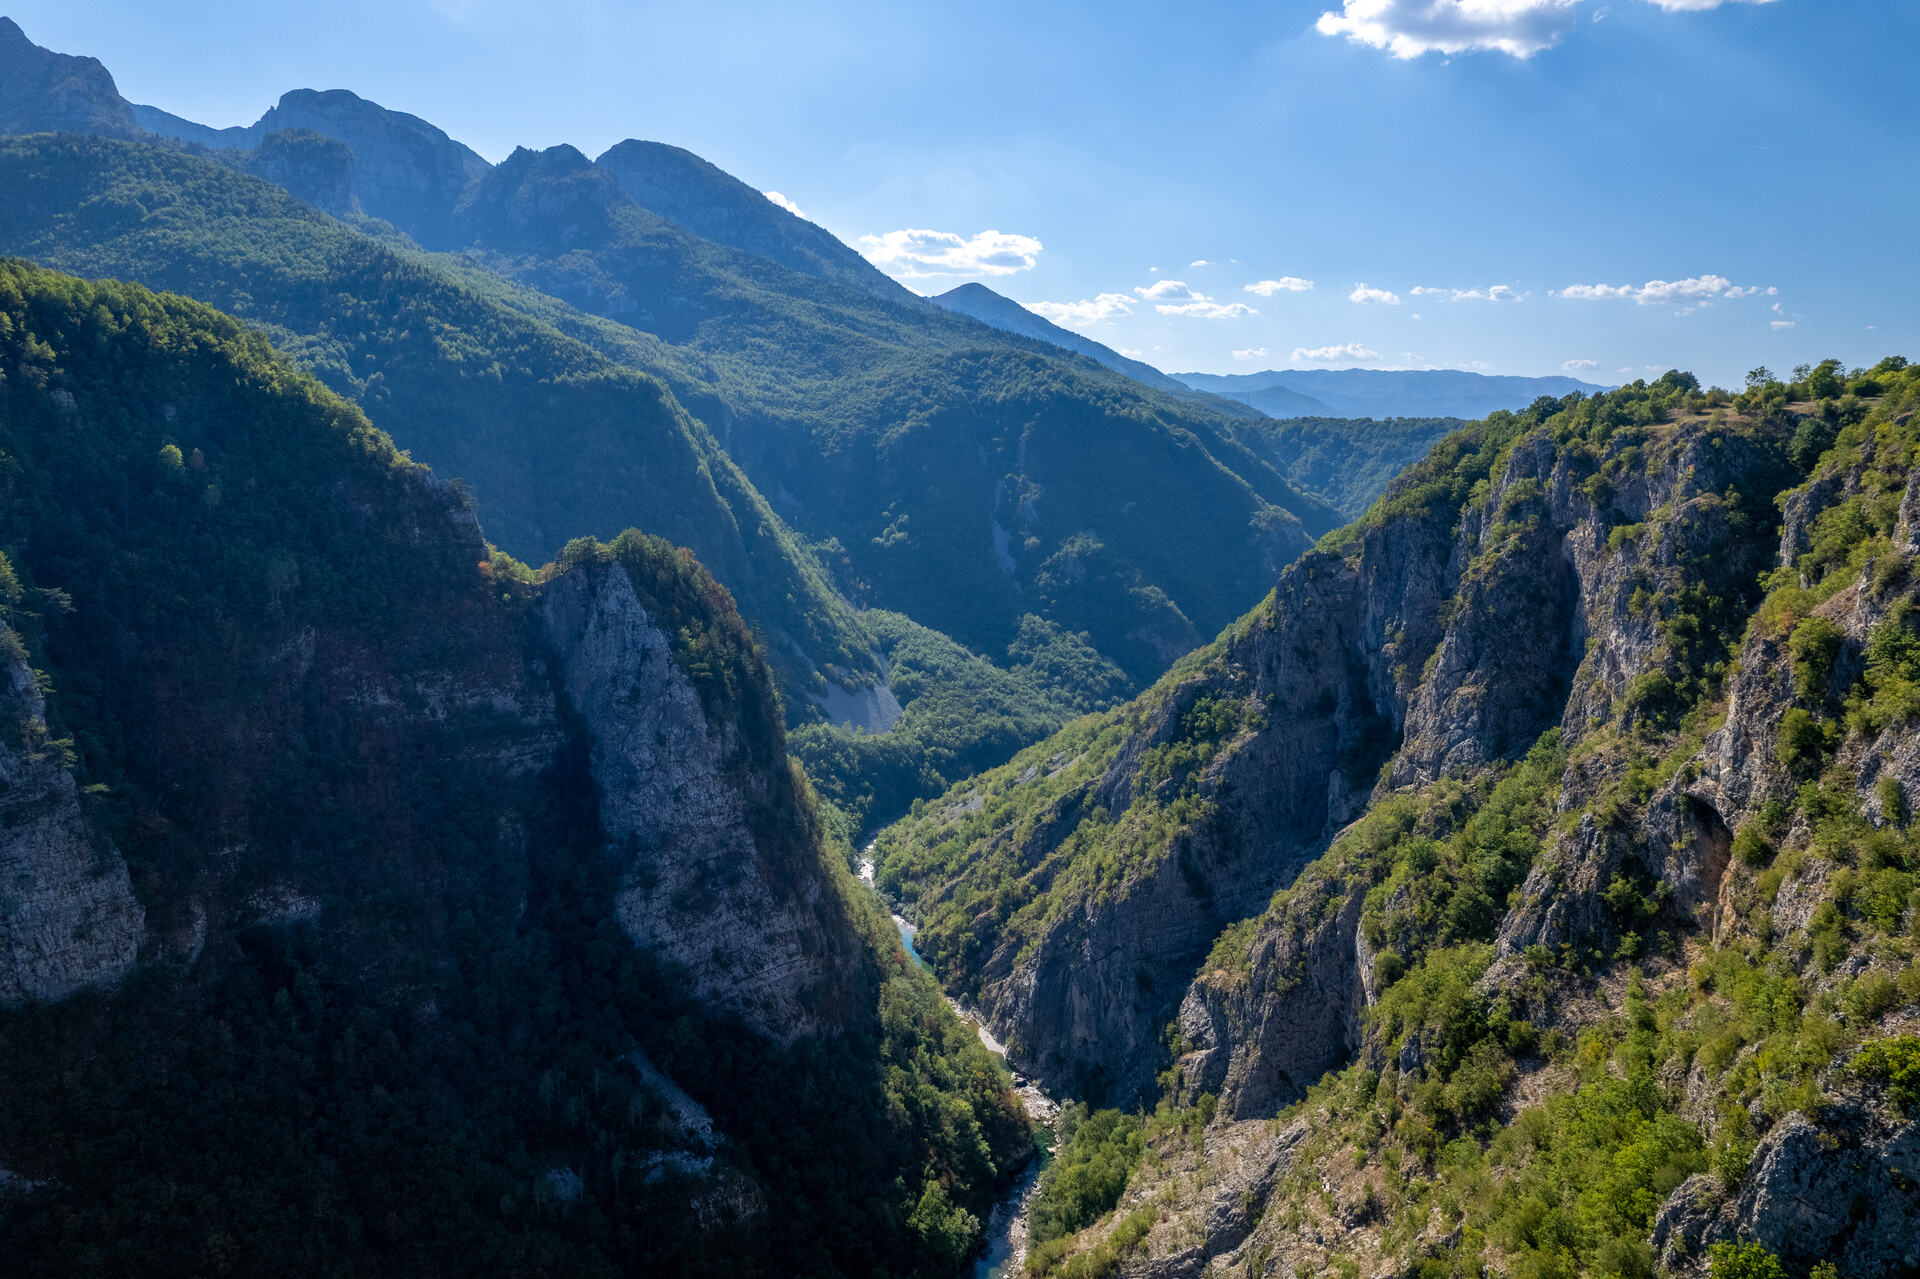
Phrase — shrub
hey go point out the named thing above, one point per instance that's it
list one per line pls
(1894, 1064)
(1815, 646)
(1801, 742)
(1752, 847)
(1744, 1261)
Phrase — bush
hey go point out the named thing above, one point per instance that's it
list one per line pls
(1744, 1261)
(1801, 742)
(1752, 847)
(1894, 1064)
(1815, 646)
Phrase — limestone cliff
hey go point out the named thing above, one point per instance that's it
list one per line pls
(68, 917)
(749, 914)
(1641, 856)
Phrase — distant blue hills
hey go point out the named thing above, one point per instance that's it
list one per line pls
(1288, 393)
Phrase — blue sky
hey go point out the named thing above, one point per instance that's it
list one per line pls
(1756, 162)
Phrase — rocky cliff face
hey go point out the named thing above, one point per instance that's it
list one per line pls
(330, 809)
(1436, 642)
(68, 917)
(748, 915)
(405, 170)
(1716, 808)
(46, 92)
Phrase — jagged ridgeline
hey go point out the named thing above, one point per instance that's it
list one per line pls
(1528, 883)
(375, 904)
(557, 439)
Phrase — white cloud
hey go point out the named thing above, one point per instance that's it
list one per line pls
(1199, 262)
(1331, 354)
(1132, 353)
(1251, 353)
(1285, 284)
(1365, 293)
(1208, 309)
(1695, 289)
(1108, 306)
(1175, 297)
(1492, 293)
(1167, 291)
(1576, 366)
(784, 203)
(1522, 28)
(914, 254)
(1781, 324)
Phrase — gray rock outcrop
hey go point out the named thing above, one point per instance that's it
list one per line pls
(68, 918)
(755, 926)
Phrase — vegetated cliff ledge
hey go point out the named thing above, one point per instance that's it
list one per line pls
(376, 903)
(1631, 885)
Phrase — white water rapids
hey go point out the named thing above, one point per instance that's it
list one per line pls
(1007, 1227)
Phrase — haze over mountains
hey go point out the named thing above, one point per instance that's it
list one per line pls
(934, 458)
(1379, 393)
(1406, 845)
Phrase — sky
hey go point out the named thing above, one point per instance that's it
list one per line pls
(1607, 188)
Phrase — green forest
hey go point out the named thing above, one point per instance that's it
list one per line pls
(432, 1068)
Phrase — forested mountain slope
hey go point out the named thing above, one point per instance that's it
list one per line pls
(942, 465)
(555, 439)
(364, 888)
(968, 476)
(1582, 766)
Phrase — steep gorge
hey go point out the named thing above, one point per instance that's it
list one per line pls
(1549, 709)
(474, 915)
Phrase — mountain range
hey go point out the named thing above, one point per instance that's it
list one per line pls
(468, 630)
(1382, 393)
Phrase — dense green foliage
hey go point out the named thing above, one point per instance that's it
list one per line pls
(1348, 461)
(556, 439)
(276, 651)
(900, 435)
(960, 714)
(1532, 1114)
(1097, 1151)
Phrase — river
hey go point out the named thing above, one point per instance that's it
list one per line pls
(1007, 1226)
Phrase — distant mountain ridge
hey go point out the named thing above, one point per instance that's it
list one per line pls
(1002, 312)
(1383, 393)
(939, 465)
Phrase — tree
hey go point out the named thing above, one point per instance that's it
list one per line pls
(1744, 1261)
(1760, 376)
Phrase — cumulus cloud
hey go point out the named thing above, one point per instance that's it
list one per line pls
(1521, 28)
(1285, 284)
(1332, 354)
(1492, 293)
(1694, 289)
(1251, 353)
(1175, 297)
(916, 253)
(1107, 306)
(784, 203)
(1781, 324)
(1366, 293)
(1199, 262)
(1576, 366)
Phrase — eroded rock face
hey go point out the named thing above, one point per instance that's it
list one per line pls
(68, 918)
(1841, 1191)
(46, 92)
(405, 170)
(1445, 639)
(756, 926)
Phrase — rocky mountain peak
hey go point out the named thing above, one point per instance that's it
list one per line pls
(46, 92)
